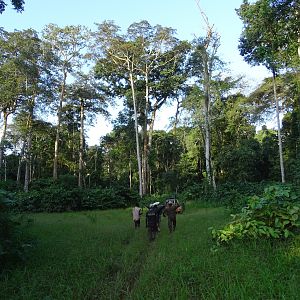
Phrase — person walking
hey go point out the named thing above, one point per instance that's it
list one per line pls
(170, 212)
(152, 221)
(136, 216)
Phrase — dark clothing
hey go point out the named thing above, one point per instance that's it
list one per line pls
(160, 210)
(137, 223)
(171, 224)
(170, 211)
(152, 218)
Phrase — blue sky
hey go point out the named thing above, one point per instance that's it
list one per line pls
(182, 15)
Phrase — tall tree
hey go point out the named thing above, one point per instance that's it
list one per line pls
(264, 46)
(85, 96)
(30, 61)
(203, 63)
(117, 55)
(68, 44)
(146, 57)
(11, 79)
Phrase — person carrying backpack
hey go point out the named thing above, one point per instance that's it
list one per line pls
(170, 211)
(152, 221)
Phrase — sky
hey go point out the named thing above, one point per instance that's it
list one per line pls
(182, 15)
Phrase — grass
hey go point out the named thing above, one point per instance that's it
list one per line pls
(99, 255)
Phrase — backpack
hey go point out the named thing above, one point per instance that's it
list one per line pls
(151, 218)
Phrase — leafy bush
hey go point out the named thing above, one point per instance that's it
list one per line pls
(102, 199)
(64, 195)
(64, 181)
(231, 195)
(57, 199)
(108, 198)
(274, 215)
(28, 202)
(9, 185)
(12, 243)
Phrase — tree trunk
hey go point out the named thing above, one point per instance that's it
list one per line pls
(130, 172)
(146, 139)
(208, 160)
(136, 134)
(145, 159)
(4, 129)
(80, 167)
(59, 113)
(5, 170)
(28, 149)
(278, 128)
(20, 163)
(176, 116)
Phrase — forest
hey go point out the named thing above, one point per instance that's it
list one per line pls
(217, 151)
(214, 136)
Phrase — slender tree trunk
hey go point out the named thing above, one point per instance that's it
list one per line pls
(278, 128)
(136, 134)
(26, 178)
(20, 163)
(130, 172)
(208, 159)
(5, 168)
(28, 149)
(73, 145)
(145, 159)
(176, 116)
(145, 156)
(96, 158)
(4, 129)
(80, 167)
(151, 127)
(59, 113)
(150, 139)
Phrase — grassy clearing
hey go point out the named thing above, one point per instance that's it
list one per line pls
(98, 255)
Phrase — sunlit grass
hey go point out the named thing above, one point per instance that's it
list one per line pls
(99, 255)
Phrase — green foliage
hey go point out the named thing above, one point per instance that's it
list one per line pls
(231, 194)
(47, 195)
(241, 162)
(275, 45)
(274, 215)
(108, 198)
(9, 185)
(13, 245)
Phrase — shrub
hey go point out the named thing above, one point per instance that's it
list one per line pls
(64, 195)
(9, 185)
(58, 199)
(105, 198)
(12, 243)
(64, 181)
(274, 215)
(28, 202)
(231, 195)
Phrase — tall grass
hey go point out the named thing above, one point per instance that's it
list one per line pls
(99, 255)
